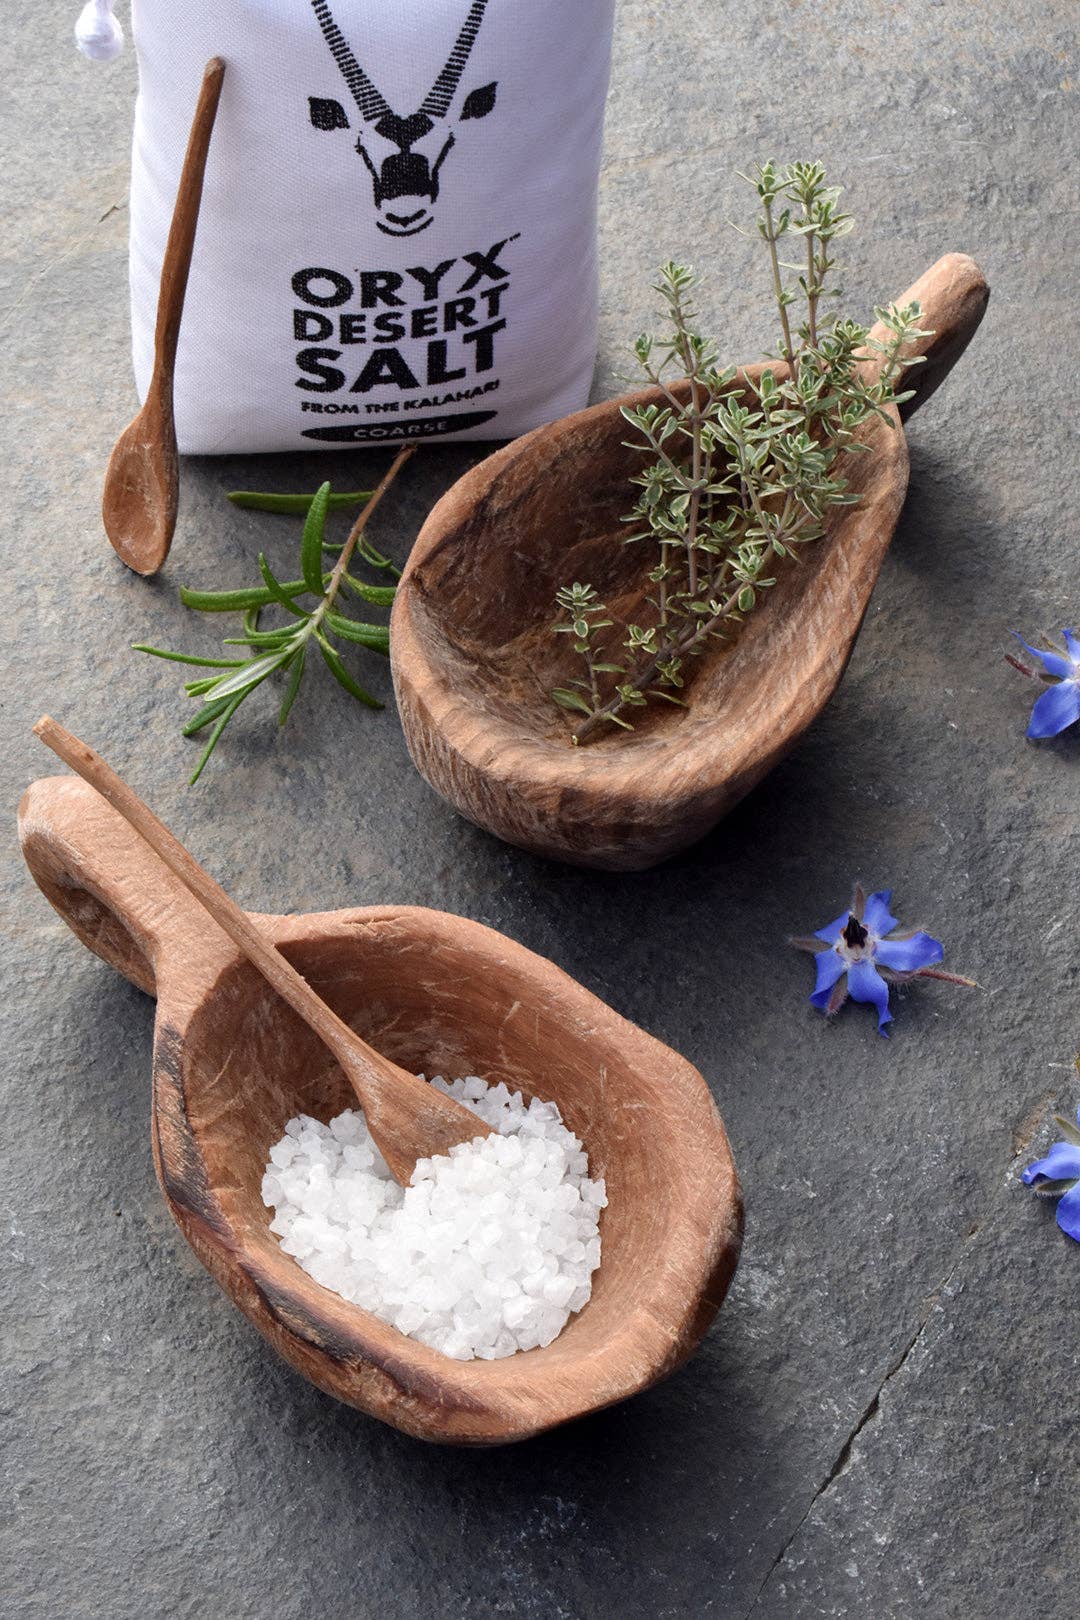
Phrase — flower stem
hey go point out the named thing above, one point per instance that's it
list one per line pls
(778, 287)
(811, 290)
(345, 555)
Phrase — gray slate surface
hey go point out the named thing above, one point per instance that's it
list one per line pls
(883, 1420)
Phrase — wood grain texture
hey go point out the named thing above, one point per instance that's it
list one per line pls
(142, 482)
(439, 995)
(474, 660)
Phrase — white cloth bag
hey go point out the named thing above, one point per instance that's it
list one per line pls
(397, 237)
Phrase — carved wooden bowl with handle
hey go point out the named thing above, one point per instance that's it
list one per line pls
(474, 658)
(440, 995)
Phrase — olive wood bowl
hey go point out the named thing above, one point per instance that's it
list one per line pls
(439, 995)
(474, 659)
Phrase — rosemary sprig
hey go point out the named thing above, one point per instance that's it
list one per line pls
(283, 649)
(734, 485)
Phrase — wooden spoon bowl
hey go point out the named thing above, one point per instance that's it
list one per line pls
(474, 659)
(439, 995)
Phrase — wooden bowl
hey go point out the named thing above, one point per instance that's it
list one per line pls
(474, 659)
(440, 995)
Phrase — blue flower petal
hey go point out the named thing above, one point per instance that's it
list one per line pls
(1073, 644)
(1052, 662)
(1068, 1212)
(832, 931)
(877, 916)
(830, 967)
(866, 984)
(1057, 708)
(1061, 1163)
(908, 955)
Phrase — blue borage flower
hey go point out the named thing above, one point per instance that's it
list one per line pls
(1059, 707)
(856, 959)
(1058, 1176)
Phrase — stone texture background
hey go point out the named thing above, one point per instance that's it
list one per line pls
(883, 1420)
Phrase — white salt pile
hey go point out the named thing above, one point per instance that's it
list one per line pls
(490, 1250)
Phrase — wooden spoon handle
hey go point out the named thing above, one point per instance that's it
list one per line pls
(953, 294)
(181, 242)
(407, 1117)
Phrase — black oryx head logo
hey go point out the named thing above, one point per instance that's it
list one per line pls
(406, 180)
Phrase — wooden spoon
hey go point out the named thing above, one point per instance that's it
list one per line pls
(474, 659)
(437, 994)
(409, 1119)
(142, 481)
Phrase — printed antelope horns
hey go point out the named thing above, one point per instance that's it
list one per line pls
(369, 100)
(436, 103)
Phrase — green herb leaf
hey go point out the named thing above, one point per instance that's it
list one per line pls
(567, 699)
(311, 546)
(375, 559)
(378, 595)
(186, 658)
(197, 688)
(249, 674)
(203, 717)
(261, 638)
(277, 590)
(296, 675)
(223, 720)
(255, 596)
(375, 636)
(256, 501)
(342, 676)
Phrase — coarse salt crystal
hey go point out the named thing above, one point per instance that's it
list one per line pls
(489, 1251)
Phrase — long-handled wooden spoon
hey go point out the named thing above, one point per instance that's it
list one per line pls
(142, 482)
(409, 1119)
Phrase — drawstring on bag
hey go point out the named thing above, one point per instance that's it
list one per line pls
(97, 32)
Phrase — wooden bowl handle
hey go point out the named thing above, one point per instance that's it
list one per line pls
(106, 883)
(953, 294)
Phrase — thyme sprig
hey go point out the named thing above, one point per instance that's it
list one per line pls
(734, 485)
(283, 649)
